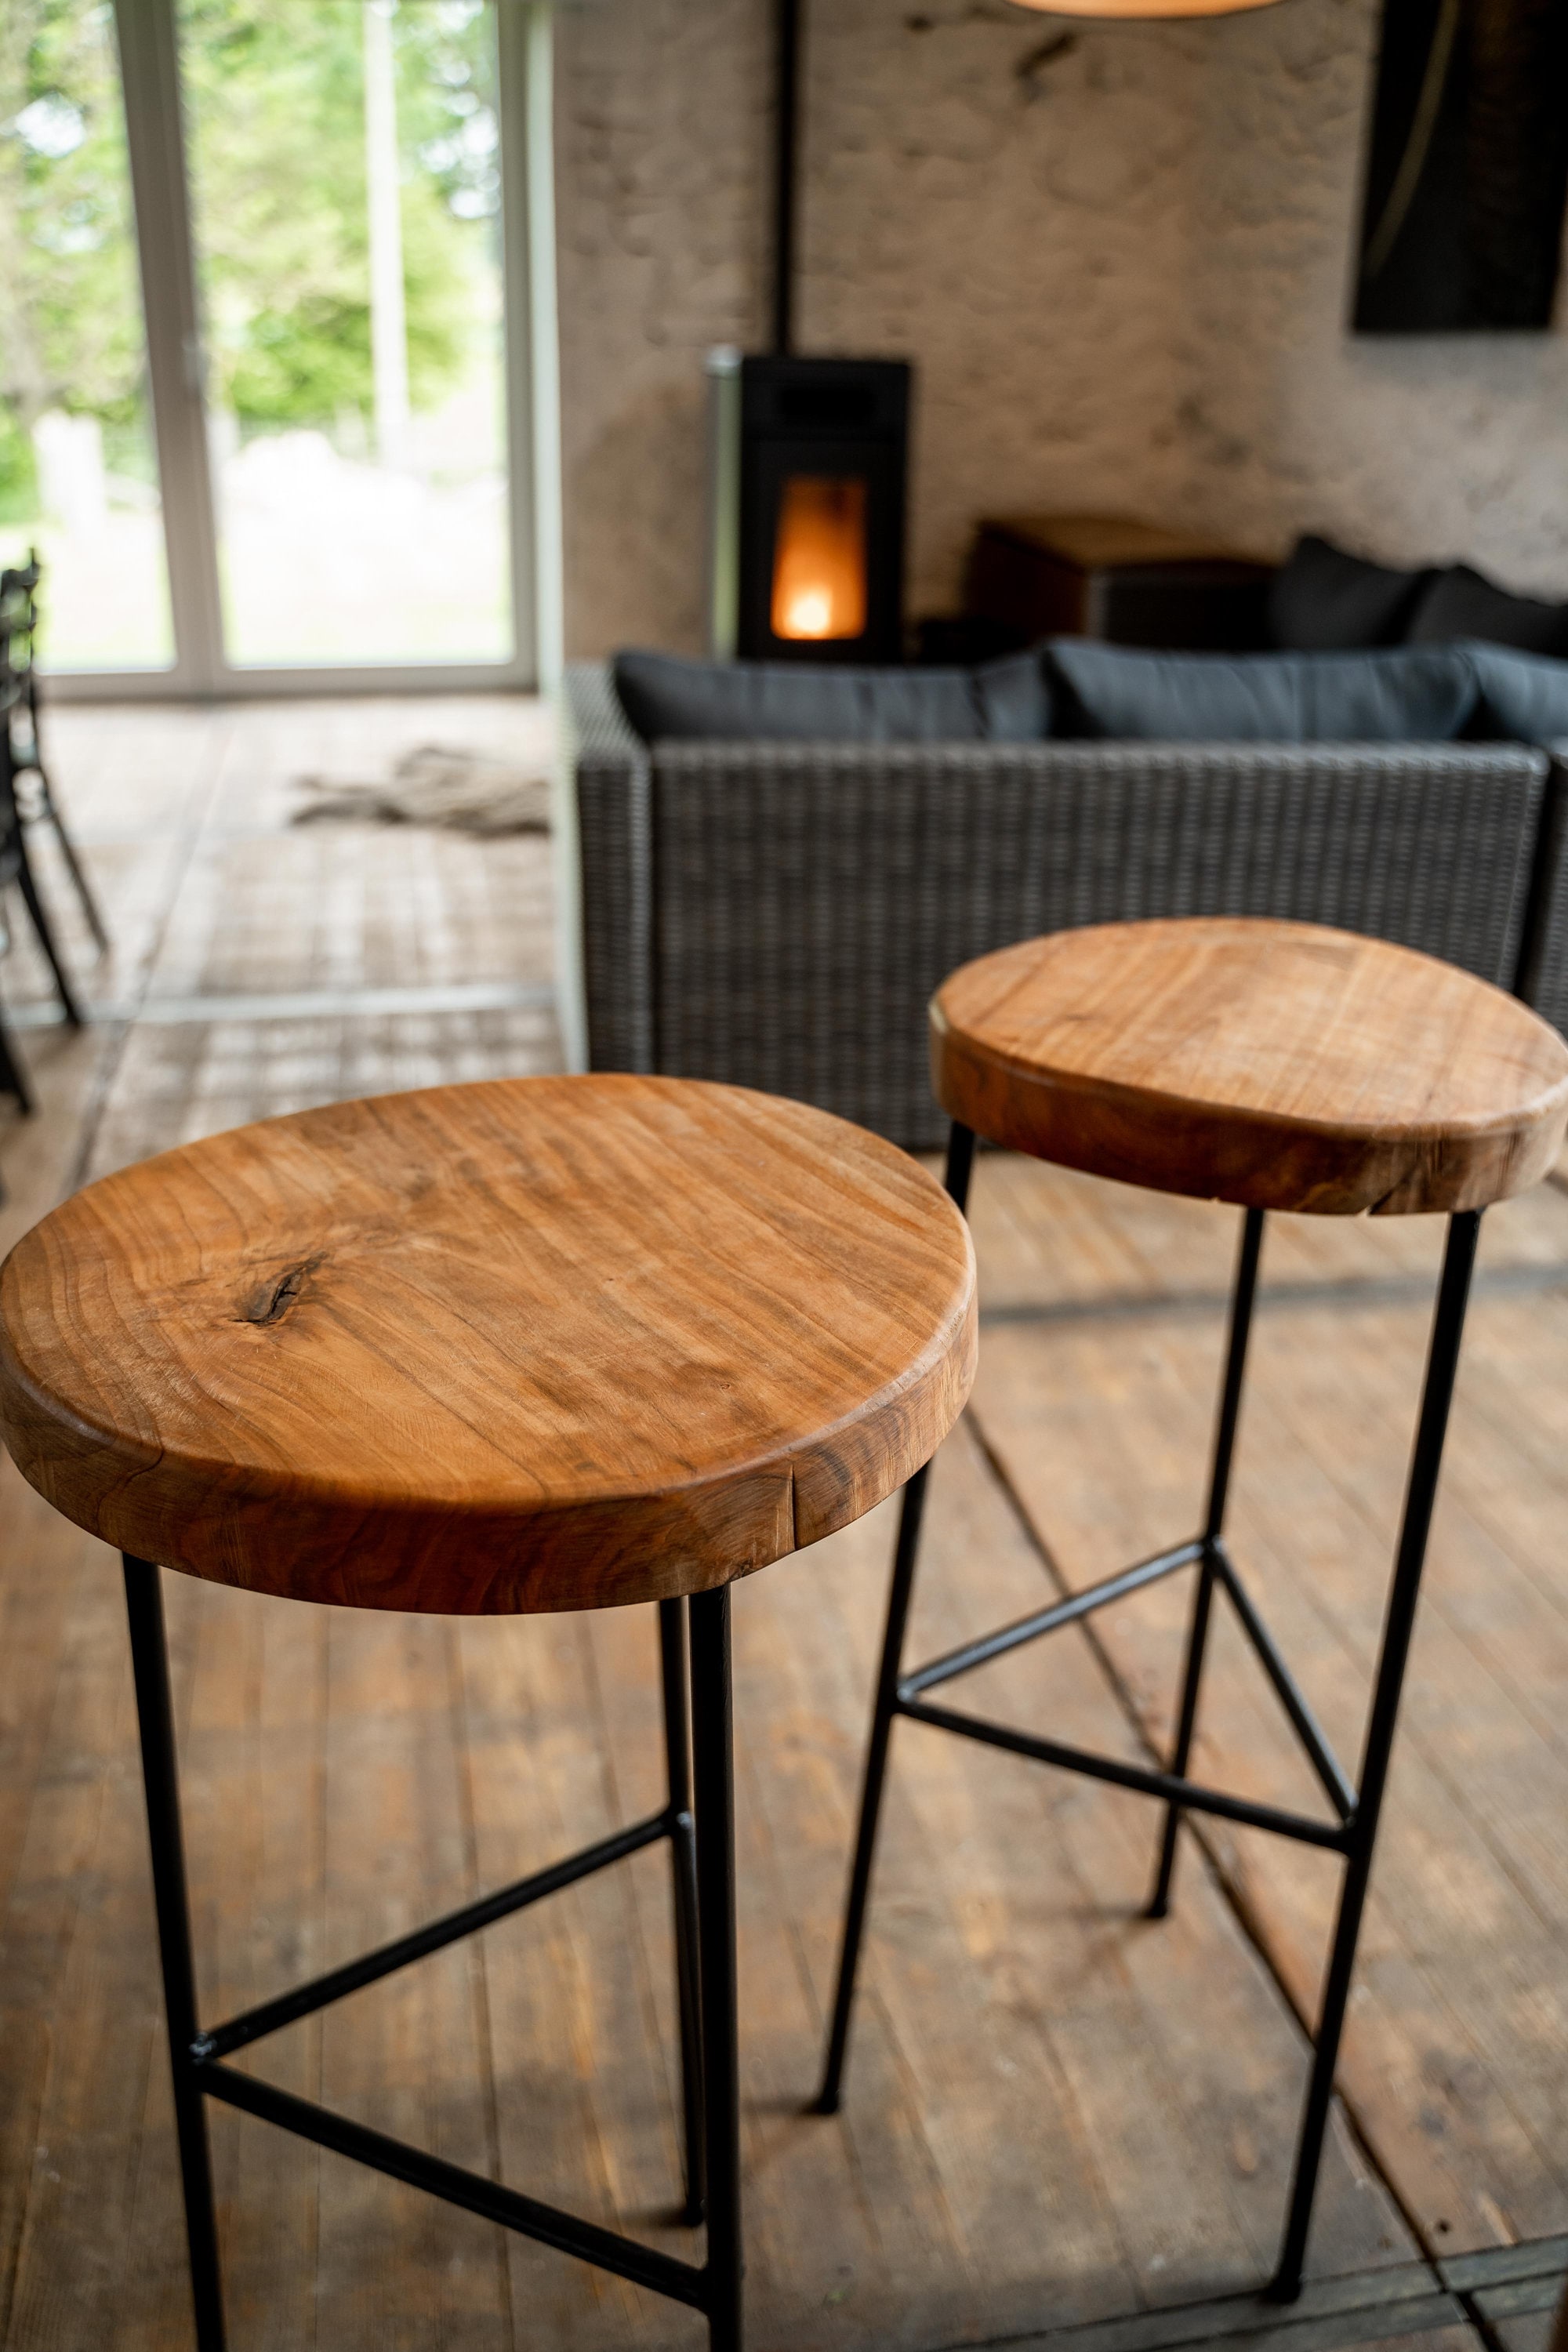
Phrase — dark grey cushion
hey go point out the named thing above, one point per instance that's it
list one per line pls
(1401, 696)
(1324, 599)
(788, 702)
(1461, 602)
(1524, 697)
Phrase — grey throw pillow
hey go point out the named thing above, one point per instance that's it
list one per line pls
(665, 698)
(1462, 603)
(1403, 696)
(1522, 698)
(1323, 599)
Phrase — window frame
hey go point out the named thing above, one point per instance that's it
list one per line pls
(148, 38)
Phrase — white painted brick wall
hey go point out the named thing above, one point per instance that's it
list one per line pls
(1123, 273)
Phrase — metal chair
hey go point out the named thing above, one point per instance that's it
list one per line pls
(25, 787)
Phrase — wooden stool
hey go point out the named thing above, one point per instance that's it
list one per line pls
(555, 1343)
(1276, 1066)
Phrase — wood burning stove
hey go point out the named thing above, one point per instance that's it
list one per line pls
(808, 460)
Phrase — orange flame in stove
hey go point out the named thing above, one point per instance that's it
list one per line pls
(819, 557)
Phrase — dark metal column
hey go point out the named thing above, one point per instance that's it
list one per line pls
(787, 135)
(712, 1713)
(959, 1164)
(154, 1714)
(676, 1681)
(1442, 1363)
(1241, 1304)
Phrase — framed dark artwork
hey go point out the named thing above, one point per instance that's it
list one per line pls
(1467, 168)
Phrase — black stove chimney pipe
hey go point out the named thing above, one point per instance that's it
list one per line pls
(787, 28)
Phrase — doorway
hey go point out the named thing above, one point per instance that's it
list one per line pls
(279, 401)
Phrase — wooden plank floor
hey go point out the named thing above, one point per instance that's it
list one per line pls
(1063, 2124)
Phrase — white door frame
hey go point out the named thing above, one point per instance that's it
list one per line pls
(148, 58)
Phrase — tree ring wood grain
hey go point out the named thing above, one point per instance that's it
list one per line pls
(1275, 1065)
(544, 1343)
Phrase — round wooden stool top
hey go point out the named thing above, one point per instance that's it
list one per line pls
(547, 1343)
(1279, 1065)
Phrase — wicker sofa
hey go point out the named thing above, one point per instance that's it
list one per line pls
(777, 913)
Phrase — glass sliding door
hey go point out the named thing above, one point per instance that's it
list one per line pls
(276, 340)
(77, 475)
(345, 182)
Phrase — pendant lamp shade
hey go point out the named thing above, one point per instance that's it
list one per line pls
(1122, 9)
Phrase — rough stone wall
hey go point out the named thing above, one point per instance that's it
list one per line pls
(662, 123)
(1418, 449)
(1119, 256)
(1004, 216)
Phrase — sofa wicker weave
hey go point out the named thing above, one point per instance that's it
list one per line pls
(778, 914)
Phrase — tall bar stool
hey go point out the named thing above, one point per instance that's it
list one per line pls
(1273, 1066)
(544, 1344)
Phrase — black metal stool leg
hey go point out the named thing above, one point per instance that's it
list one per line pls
(155, 1714)
(12, 1081)
(45, 931)
(712, 1713)
(676, 1682)
(1241, 1303)
(960, 1163)
(1442, 1363)
(89, 905)
(871, 1789)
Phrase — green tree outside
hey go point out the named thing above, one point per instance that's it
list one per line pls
(276, 98)
(275, 113)
(71, 321)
